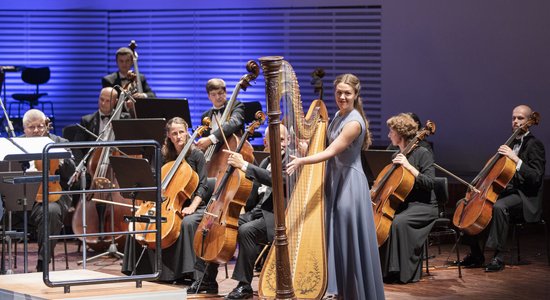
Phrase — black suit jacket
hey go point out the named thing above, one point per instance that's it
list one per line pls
(527, 181)
(234, 125)
(260, 175)
(114, 79)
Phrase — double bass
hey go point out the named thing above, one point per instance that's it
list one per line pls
(179, 182)
(392, 186)
(216, 237)
(474, 212)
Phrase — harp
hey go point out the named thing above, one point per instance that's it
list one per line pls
(296, 266)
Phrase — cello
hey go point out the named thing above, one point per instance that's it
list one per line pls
(216, 163)
(474, 212)
(392, 186)
(179, 182)
(216, 236)
(97, 217)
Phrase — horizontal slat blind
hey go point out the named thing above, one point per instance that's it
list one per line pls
(180, 50)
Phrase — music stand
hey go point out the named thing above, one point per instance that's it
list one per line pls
(132, 173)
(147, 108)
(17, 197)
(374, 161)
(140, 129)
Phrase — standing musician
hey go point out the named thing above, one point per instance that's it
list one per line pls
(178, 260)
(124, 61)
(34, 125)
(401, 254)
(256, 227)
(352, 251)
(96, 122)
(523, 194)
(217, 94)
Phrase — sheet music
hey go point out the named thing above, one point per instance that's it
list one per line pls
(28, 148)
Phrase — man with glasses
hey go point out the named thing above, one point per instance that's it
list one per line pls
(217, 94)
(35, 124)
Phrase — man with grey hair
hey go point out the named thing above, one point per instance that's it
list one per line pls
(125, 61)
(35, 124)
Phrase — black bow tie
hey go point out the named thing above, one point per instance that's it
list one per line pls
(105, 117)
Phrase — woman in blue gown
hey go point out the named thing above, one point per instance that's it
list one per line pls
(353, 260)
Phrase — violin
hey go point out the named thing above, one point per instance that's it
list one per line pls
(53, 186)
(392, 186)
(179, 182)
(474, 212)
(216, 236)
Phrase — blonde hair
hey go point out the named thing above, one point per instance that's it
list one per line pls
(354, 82)
(404, 125)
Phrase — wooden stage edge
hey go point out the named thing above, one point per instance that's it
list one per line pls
(31, 286)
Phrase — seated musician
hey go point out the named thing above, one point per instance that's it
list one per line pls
(217, 94)
(422, 143)
(124, 62)
(256, 227)
(401, 253)
(96, 122)
(35, 124)
(522, 195)
(178, 260)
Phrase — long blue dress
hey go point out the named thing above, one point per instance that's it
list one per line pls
(353, 259)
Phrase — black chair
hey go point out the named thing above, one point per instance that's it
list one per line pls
(518, 224)
(35, 76)
(250, 109)
(443, 225)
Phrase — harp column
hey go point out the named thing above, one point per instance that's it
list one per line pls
(271, 66)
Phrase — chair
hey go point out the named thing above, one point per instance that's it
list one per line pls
(517, 224)
(63, 232)
(35, 76)
(442, 225)
(250, 109)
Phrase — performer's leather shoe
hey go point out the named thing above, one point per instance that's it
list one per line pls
(208, 287)
(495, 265)
(242, 291)
(472, 261)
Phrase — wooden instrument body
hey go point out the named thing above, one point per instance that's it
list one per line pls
(181, 188)
(217, 165)
(53, 186)
(390, 189)
(474, 213)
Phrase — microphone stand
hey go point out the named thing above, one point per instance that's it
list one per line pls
(9, 125)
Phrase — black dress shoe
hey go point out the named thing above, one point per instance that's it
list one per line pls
(242, 291)
(208, 287)
(472, 261)
(495, 265)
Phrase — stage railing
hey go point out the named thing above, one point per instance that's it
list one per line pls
(156, 161)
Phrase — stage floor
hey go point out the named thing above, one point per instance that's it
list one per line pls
(31, 286)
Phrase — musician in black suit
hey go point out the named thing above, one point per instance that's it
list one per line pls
(256, 227)
(95, 122)
(124, 61)
(35, 125)
(217, 94)
(523, 193)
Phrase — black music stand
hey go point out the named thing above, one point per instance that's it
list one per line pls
(147, 108)
(133, 173)
(140, 129)
(374, 161)
(16, 198)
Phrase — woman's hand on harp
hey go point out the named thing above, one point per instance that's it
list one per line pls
(294, 164)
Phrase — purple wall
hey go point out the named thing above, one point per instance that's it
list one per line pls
(465, 65)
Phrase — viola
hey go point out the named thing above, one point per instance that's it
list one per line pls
(179, 182)
(392, 186)
(216, 236)
(474, 212)
(53, 186)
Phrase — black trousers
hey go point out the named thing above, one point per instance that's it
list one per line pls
(56, 215)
